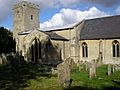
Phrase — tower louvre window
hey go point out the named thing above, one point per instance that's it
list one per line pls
(31, 17)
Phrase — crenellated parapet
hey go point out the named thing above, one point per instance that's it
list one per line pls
(25, 3)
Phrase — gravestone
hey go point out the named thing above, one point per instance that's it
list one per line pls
(117, 67)
(81, 65)
(64, 70)
(4, 59)
(86, 65)
(109, 69)
(92, 70)
(113, 68)
(1, 60)
(70, 62)
(54, 71)
(63, 74)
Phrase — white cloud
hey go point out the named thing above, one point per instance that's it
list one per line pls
(6, 5)
(6, 8)
(118, 10)
(71, 16)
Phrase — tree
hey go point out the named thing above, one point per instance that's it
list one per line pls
(7, 43)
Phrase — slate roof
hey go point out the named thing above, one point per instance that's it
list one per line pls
(55, 36)
(52, 35)
(101, 28)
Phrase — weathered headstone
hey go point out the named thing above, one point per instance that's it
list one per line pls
(92, 70)
(54, 71)
(86, 65)
(81, 65)
(113, 68)
(64, 70)
(4, 58)
(63, 74)
(70, 62)
(117, 67)
(109, 69)
(1, 60)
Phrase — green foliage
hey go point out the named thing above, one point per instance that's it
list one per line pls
(6, 41)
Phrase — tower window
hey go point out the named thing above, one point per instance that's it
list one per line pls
(24, 5)
(17, 12)
(31, 17)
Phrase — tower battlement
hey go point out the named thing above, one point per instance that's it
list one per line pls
(26, 17)
(24, 3)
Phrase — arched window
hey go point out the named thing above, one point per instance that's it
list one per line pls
(84, 49)
(116, 49)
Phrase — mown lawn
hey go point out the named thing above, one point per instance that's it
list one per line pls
(102, 80)
(31, 77)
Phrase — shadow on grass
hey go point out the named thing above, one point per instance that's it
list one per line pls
(15, 79)
(116, 81)
(78, 88)
(86, 88)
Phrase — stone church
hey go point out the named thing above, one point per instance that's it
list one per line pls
(91, 39)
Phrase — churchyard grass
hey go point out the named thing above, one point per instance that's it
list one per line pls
(30, 77)
(101, 81)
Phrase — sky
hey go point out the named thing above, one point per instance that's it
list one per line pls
(62, 13)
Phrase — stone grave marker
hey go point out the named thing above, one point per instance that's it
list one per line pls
(113, 68)
(109, 69)
(86, 65)
(0, 60)
(63, 74)
(81, 65)
(64, 70)
(70, 62)
(92, 70)
(4, 59)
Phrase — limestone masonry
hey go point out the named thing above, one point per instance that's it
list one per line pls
(94, 39)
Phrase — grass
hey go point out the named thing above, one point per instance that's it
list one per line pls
(32, 77)
(102, 81)
(27, 77)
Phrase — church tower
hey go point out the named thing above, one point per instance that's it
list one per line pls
(26, 17)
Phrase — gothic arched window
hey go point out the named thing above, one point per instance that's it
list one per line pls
(84, 49)
(116, 48)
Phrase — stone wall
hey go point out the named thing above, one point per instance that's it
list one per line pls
(26, 17)
(94, 49)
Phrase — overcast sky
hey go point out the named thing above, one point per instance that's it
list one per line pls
(60, 13)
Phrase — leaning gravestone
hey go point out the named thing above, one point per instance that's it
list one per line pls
(70, 62)
(64, 70)
(63, 74)
(92, 70)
